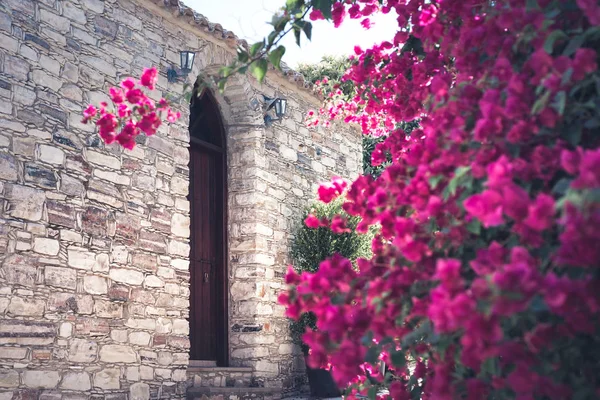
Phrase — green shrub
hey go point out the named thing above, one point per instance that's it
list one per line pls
(311, 246)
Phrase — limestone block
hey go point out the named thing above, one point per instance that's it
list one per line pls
(19, 269)
(108, 309)
(178, 248)
(179, 185)
(118, 335)
(180, 225)
(42, 78)
(107, 379)
(79, 381)
(139, 391)
(129, 276)
(16, 67)
(9, 378)
(153, 281)
(60, 277)
(51, 154)
(94, 284)
(59, 23)
(71, 11)
(139, 338)
(250, 352)
(82, 351)
(9, 43)
(15, 353)
(8, 167)
(28, 307)
(165, 358)
(179, 375)
(146, 372)
(65, 330)
(103, 160)
(41, 379)
(116, 353)
(162, 373)
(80, 258)
(119, 254)
(25, 202)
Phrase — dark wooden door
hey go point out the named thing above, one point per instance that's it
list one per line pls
(206, 253)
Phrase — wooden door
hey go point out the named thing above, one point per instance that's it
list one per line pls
(206, 253)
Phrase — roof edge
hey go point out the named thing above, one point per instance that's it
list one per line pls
(232, 41)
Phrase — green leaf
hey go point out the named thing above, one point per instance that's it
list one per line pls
(540, 103)
(275, 56)
(225, 71)
(566, 78)
(279, 22)
(272, 36)
(552, 38)
(592, 123)
(458, 179)
(256, 47)
(398, 359)
(560, 102)
(324, 6)
(258, 68)
(297, 33)
(372, 392)
(474, 227)
(435, 180)
(574, 44)
(561, 186)
(308, 30)
(372, 355)
(242, 56)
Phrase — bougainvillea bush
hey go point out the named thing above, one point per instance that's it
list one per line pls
(325, 230)
(486, 270)
(133, 112)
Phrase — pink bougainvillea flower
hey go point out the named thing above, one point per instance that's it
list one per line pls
(487, 207)
(116, 95)
(89, 113)
(128, 83)
(316, 15)
(329, 191)
(126, 137)
(312, 222)
(135, 96)
(338, 13)
(173, 116)
(149, 78)
(338, 225)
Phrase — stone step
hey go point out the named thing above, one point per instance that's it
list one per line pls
(233, 393)
(222, 377)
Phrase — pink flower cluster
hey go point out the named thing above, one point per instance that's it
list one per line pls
(485, 268)
(127, 121)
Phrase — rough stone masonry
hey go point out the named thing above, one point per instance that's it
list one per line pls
(94, 240)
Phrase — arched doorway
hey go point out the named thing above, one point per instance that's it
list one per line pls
(208, 239)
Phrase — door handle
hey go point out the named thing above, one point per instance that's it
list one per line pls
(206, 277)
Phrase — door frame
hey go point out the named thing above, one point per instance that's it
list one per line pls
(222, 319)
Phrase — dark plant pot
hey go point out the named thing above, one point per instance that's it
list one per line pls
(320, 381)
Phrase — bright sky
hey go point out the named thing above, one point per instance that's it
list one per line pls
(249, 19)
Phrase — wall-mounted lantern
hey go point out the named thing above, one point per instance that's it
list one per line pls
(186, 64)
(280, 106)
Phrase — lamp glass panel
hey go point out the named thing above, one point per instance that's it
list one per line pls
(187, 60)
(282, 107)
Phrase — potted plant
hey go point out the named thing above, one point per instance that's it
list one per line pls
(309, 247)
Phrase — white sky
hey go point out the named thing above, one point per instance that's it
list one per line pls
(248, 19)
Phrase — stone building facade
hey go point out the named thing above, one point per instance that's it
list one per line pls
(95, 240)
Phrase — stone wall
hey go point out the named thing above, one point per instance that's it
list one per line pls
(94, 240)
